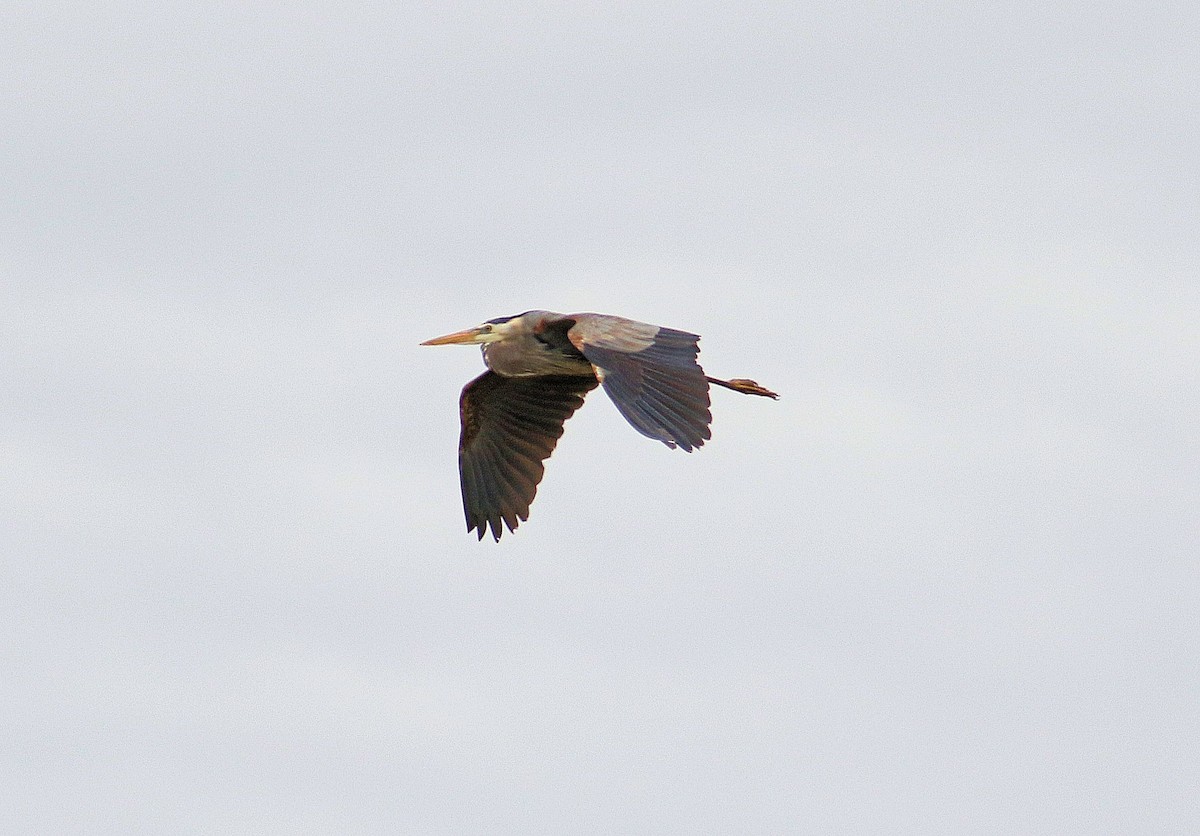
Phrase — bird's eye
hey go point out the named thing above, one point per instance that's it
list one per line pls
(486, 328)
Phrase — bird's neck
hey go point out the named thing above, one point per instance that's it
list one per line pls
(531, 357)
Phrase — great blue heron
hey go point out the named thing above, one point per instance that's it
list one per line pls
(540, 366)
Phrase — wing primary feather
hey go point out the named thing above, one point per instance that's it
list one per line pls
(679, 427)
(689, 408)
(509, 427)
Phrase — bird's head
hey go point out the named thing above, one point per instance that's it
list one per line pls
(491, 331)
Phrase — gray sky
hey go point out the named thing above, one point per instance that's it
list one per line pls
(949, 583)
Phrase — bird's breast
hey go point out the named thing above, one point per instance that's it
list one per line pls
(533, 361)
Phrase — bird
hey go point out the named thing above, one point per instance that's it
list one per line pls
(540, 365)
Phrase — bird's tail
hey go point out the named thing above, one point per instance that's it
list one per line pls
(746, 387)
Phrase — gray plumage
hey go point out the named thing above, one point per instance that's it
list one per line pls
(540, 366)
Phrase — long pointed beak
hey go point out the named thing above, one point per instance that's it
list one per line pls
(457, 338)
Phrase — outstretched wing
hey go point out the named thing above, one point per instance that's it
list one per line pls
(509, 426)
(651, 374)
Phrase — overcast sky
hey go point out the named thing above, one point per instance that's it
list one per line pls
(948, 583)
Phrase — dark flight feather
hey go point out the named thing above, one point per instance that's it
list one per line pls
(510, 425)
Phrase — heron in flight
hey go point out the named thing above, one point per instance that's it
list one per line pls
(540, 366)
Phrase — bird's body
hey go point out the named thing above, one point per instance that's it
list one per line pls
(540, 366)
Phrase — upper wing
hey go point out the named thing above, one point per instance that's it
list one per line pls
(509, 426)
(650, 373)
